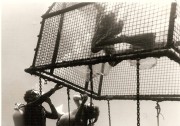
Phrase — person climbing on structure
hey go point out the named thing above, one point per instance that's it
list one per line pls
(107, 27)
(80, 116)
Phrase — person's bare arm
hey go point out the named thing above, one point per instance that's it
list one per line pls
(46, 95)
(77, 99)
(53, 114)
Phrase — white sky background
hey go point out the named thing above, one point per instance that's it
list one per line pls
(20, 25)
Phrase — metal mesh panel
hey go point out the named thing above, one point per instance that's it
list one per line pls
(56, 7)
(68, 4)
(47, 41)
(121, 80)
(102, 31)
(80, 27)
(148, 19)
(162, 79)
(78, 76)
(133, 27)
(176, 37)
(59, 6)
(72, 75)
(77, 32)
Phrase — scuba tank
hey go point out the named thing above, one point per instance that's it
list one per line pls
(18, 116)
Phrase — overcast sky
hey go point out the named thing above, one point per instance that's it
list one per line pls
(20, 24)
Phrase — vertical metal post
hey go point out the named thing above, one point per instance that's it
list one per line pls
(38, 43)
(101, 79)
(171, 25)
(56, 48)
(40, 36)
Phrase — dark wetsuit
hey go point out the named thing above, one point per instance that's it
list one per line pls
(35, 114)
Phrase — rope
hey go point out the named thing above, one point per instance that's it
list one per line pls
(68, 104)
(158, 108)
(137, 94)
(109, 112)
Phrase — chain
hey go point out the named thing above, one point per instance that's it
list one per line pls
(40, 86)
(137, 94)
(91, 82)
(109, 112)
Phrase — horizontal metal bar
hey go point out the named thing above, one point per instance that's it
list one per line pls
(74, 85)
(174, 55)
(65, 10)
(102, 59)
(50, 8)
(141, 97)
(65, 83)
(95, 96)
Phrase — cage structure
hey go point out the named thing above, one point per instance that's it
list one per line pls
(111, 37)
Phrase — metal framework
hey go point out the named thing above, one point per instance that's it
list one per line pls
(75, 35)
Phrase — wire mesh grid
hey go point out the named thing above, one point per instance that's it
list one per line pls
(176, 35)
(162, 79)
(105, 29)
(48, 40)
(82, 27)
(159, 80)
(59, 6)
(78, 76)
(76, 33)
(101, 29)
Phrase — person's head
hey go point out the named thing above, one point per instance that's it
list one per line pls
(31, 95)
(92, 112)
